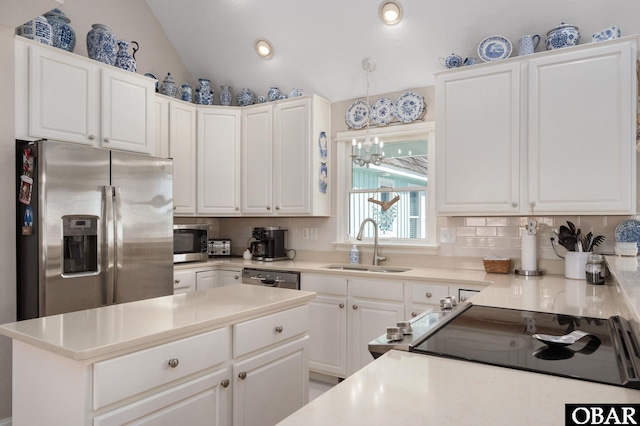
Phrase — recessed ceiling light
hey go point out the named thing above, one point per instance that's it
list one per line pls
(390, 12)
(264, 48)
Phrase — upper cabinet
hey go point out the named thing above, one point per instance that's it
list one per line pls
(67, 97)
(553, 132)
(284, 158)
(182, 149)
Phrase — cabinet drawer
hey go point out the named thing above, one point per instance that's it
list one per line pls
(428, 293)
(324, 284)
(251, 335)
(380, 290)
(119, 378)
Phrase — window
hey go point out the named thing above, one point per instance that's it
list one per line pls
(395, 194)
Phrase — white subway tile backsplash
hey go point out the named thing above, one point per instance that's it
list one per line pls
(465, 231)
(488, 231)
(497, 221)
(475, 221)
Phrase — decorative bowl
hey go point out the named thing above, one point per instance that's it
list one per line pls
(606, 34)
(564, 35)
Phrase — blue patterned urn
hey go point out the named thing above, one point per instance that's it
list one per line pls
(124, 60)
(63, 36)
(273, 94)
(38, 29)
(225, 95)
(186, 92)
(564, 35)
(101, 44)
(204, 93)
(245, 97)
(168, 86)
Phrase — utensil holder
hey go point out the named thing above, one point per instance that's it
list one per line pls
(574, 264)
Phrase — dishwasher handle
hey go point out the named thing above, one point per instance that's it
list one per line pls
(268, 282)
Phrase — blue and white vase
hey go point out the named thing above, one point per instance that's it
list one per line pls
(101, 44)
(168, 86)
(295, 93)
(225, 95)
(186, 93)
(245, 97)
(564, 35)
(204, 93)
(262, 99)
(38, 29)
(63, 36)
(124, 60)
(273, 94)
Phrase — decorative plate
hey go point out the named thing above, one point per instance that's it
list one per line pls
(494, 48)
(382, 111)
(357, 114)
(409, 107)
(628, 232)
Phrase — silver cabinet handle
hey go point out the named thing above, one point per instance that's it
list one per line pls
(106, 140)
(225, 383)
(277, 207)
(237, 208)
(428, 294)
(173, 362)
(235, 277)
(268, 207)
(414, 314)
(279, 329)
(514, 204)
(177, 281)
(92, 137)
(463, 299)
(175, 207)
(341, 306)
(532, 204)
(355, 306)
(242, 375)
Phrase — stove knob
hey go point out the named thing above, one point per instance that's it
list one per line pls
(393, 334)
(405, 327)
(446, 304)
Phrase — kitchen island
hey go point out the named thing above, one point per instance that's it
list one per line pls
(195, 358)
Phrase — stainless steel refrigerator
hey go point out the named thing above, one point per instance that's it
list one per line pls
(94, 227)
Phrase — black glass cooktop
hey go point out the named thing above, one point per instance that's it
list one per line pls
(503, 337)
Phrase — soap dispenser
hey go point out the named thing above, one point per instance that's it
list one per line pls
(354, 255)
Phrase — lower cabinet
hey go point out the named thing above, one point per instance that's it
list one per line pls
(206, 279)
(184, 281)
(228, 277)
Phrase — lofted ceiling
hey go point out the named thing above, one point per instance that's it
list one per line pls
(319, 45)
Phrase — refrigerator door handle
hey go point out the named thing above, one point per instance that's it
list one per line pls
(109, 245)
(119, 246)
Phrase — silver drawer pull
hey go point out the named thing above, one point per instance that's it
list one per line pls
(242, 375)
(225, 383)
(173, 362)
(355, 306)
(428, 294)
(279, 329)
(414, 314)
(177, 281)
(341, 305)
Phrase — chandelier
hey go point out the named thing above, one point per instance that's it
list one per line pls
(367, 151)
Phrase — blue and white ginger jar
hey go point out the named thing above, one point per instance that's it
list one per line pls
(564, 35)
(273, 94)
(38, 29)
(124, 60)
(63, 36)
(168, 86)
(225, 95)
(204, 93)
(101, 44)
(246, 97)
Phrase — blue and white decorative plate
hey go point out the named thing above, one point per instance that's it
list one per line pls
(357, 114)
(628, 232)
(494, 48)
(409, 107)
(382, 111)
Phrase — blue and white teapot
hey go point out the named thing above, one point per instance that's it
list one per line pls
(451, 61)
(564, 35)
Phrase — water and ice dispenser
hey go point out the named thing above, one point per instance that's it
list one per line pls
(80, 239)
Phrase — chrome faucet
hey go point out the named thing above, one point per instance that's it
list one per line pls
(376, 259)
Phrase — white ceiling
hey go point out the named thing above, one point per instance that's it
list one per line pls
(319, 44)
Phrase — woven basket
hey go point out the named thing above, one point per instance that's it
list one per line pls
(497, 266)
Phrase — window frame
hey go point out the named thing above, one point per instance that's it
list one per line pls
(421, 130)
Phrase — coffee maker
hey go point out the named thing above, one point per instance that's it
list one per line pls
(269, 245)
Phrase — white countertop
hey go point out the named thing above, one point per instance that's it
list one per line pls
(402, 388)
(132, 326)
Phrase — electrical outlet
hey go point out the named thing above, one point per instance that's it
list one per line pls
(447, 235)
(247, 231)
(313, 234)
(305, 233)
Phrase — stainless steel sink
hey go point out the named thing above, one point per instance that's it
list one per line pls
(363, 268)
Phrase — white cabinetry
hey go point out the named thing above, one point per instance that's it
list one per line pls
(63, 96)
(423, 297)
(206, 279)
(281, 159)
(228, 277)
(182, 148)
(218, 164)
(184, 281)
(518, 134)
(161, 112)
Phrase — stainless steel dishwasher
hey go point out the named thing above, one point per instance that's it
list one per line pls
(271, 278)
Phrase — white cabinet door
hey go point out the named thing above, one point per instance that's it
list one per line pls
(257, 160)
(127, 111)
(292, 159)
(581, 131)
(369, 320)
(63, 94)
(478, 151)
(282, 374)
(182, 148)
(161, 113)
(184, 281)
(328, 335)
(218, 165)
(206, 279)
(228, 277)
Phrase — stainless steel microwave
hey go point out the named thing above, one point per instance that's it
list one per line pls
(190, 243)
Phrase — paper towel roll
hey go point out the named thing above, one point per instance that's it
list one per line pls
(529, 252)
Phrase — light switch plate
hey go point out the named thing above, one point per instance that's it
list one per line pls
(305, 233)
(313, 234)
